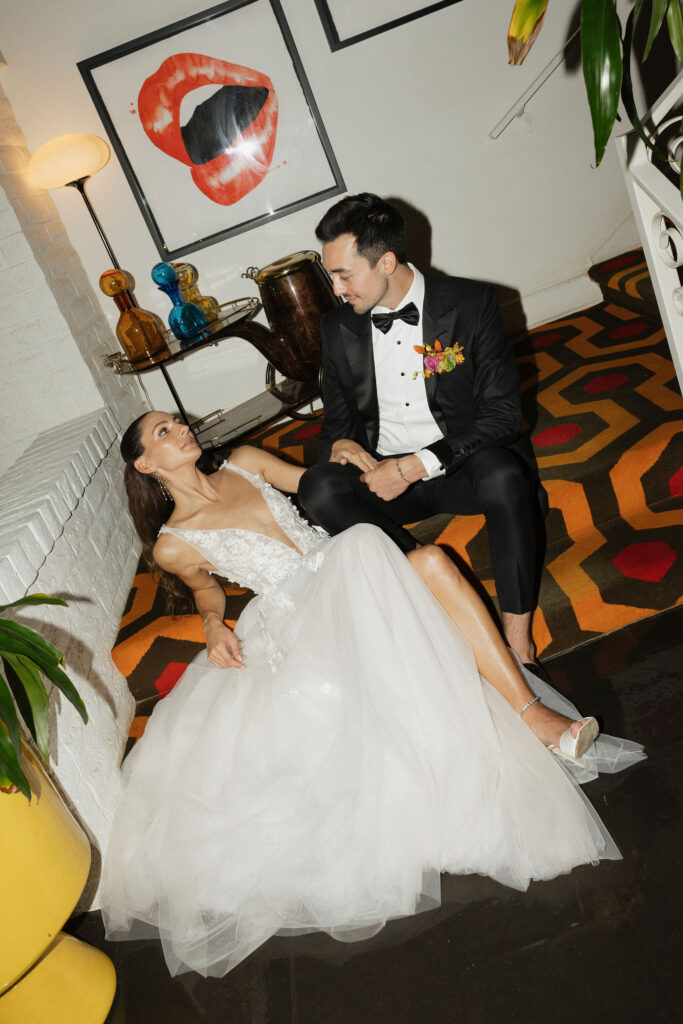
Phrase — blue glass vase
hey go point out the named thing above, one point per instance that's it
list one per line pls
(186, 320)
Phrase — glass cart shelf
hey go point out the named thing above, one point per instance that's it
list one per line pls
(225, 425)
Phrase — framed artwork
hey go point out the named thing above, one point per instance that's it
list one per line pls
(215, 124)
(351, 21)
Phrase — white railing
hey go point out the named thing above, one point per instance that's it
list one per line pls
(658, 211)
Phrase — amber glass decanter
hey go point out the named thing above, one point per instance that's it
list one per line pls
(140, 333)
(189, 289)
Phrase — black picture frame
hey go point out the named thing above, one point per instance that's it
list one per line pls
(301, 154)
(326, 13)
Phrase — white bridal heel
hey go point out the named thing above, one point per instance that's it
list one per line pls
(571, 747)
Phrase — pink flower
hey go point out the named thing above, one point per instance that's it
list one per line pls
(431, 363)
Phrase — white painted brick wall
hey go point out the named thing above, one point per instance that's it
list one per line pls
(65, 530)
(52, 329)
(43, 379)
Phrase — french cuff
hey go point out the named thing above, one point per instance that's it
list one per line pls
(442, 451)
(431, 463)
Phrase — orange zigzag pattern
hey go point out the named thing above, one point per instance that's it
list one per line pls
(592, 612)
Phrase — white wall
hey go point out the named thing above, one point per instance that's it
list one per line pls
(44, 380)
(408, 114)
(52, 329)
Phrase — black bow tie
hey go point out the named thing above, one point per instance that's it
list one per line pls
(383, 321)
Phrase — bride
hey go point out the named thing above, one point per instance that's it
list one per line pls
(372, 729)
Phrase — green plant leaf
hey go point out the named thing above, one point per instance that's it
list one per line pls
(25, 654)
(656, 19)
(602, 67)
(11, 646)
(31, 697)
(32, 639)
(8, 715)
(17, 687)
(525, 16)
(64, 684)
(33, 599)
(674, 23)
(10, 767)
(627, 84)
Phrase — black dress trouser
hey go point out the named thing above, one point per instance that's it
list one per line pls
(494, 481)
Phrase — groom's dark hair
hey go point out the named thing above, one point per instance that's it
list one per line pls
(377, 226)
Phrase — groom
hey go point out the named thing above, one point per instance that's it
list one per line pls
(422, 407)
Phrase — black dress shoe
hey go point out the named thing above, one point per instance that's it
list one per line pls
(537, 669)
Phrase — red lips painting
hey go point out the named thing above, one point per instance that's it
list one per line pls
(228, 141)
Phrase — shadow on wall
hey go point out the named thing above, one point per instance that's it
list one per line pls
(419, 231)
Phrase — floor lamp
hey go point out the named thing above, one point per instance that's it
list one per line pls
(71, 160)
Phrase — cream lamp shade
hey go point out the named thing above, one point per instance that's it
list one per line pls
(66, 159)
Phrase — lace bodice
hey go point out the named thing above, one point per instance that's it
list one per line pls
(252, 559)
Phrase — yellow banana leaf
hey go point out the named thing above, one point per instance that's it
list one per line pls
(526, 23)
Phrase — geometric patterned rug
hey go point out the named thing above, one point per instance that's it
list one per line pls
(604, 412)
(605, 416)
(626, 281)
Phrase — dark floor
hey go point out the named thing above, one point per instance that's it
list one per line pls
(598, 945)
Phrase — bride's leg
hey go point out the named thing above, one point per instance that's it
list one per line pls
(494, 661)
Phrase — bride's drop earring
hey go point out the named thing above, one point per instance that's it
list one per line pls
(164, 489)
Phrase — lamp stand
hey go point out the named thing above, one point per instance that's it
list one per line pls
(79, 184)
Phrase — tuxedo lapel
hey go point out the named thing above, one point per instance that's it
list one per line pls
(357, 340)
(438, 324)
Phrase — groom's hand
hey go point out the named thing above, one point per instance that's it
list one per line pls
(387, 482)
(345, 451)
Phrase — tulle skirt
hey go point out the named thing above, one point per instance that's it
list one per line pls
(328, 784)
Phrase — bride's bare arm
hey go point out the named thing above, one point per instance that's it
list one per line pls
(222, 646)
(280, 474)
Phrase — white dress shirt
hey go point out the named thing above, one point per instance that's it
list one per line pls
(406, 423)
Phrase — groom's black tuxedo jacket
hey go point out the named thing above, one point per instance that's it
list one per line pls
(475, 405)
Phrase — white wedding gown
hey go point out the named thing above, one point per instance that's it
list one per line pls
(326, 785)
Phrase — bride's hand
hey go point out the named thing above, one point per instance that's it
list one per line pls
(344, 451)
(222, 646)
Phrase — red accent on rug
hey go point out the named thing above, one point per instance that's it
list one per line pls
(310, 430)
(676, 484)
(629, 330)
(541, 340)
(607, 382)
(169, 677)
(650, 560)
(620, 261)
(556, 435)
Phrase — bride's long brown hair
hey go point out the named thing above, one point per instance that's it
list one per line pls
(149, 507)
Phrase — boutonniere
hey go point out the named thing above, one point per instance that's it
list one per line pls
(437, 359)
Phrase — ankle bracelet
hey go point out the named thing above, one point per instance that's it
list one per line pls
(527, 705)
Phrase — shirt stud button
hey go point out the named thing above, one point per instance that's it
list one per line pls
(407, 403)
